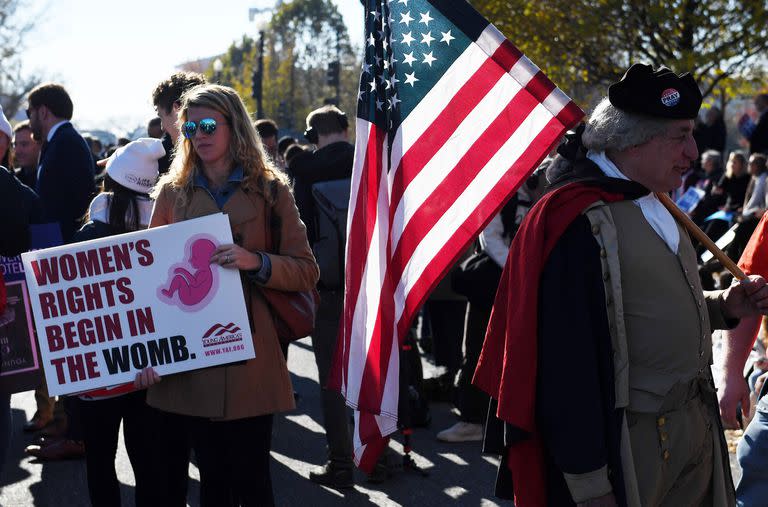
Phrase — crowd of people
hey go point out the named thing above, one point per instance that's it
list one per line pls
(617, 296)
(728, 188)
(207, 156)
(210, 156)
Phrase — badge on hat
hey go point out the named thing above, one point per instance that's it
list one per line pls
(670, 97)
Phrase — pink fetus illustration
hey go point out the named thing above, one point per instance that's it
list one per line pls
(192, 288)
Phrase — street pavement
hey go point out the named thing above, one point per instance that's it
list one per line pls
(457, 473)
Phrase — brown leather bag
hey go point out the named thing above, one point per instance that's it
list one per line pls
(293, 312)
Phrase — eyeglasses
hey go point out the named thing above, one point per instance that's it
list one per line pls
(207, 125)
(29, 111)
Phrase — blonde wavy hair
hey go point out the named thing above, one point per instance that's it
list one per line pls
(245, 147)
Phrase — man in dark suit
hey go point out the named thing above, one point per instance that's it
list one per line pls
(65, 181)
(65, 184)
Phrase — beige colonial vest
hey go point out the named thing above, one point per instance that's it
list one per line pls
(660, 324)
(665, 314)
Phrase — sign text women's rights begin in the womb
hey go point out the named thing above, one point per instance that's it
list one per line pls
(107, 308)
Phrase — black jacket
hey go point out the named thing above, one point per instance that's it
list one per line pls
(735, 189)
(332, 162)
(758, 141)
(19, 207)
(65, 182)
(94, 230)
(164, 164)
(28, 176)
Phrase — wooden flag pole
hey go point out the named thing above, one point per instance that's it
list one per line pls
(701, 236)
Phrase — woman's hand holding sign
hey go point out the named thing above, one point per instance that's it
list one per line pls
(229, 256)
(146, 377)
(234, 256)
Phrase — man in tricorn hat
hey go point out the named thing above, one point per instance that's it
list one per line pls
(598, 351)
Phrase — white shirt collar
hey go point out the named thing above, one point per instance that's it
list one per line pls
(660, 219)
(606, 164)
(55, 128)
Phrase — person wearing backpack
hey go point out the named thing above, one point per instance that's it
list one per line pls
(327, 129)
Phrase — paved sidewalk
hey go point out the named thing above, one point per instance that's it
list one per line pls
(458, 474)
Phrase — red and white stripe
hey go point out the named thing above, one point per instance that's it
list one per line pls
(457, 157)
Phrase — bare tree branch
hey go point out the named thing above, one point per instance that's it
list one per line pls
(14, 28)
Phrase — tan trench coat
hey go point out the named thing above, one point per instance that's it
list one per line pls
(261, 385)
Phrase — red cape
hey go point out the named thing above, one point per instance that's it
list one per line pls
(754, 259)
(507, 366)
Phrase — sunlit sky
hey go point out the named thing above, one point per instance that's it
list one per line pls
(110, 54)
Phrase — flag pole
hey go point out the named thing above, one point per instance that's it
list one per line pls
(701, 236)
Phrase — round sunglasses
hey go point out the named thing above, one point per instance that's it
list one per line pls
(207, 125)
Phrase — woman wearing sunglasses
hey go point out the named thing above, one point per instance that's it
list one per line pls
(220, 166)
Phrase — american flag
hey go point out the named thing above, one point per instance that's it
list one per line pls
(451, 119)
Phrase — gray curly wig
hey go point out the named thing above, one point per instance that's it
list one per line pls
(610, 128)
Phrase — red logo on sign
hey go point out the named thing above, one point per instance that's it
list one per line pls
(221, 329)
(219, 334)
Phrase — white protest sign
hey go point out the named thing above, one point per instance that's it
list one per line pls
(107, 308)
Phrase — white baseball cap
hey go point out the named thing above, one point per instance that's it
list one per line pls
(135, 165)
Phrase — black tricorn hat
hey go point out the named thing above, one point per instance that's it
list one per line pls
(659, 93)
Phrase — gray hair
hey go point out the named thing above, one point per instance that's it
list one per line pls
(610, 128)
